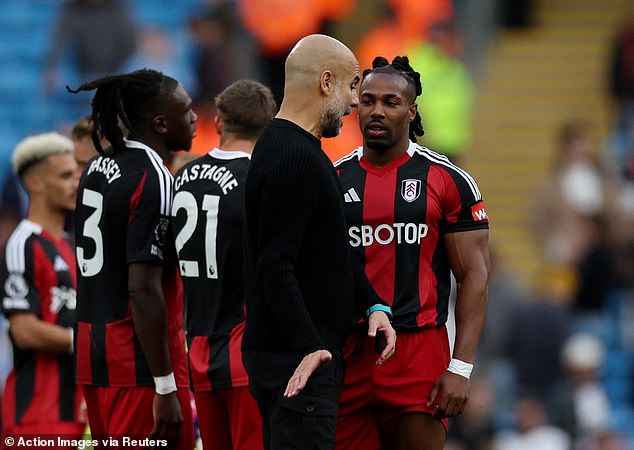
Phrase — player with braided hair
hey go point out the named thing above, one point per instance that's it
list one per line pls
(413, 217)
(130, 342)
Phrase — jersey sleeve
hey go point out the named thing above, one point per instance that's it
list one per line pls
(464, 207)
(19, 292)
(149, 223)
(288, 202)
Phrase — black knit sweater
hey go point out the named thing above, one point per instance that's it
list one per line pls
(299, 273)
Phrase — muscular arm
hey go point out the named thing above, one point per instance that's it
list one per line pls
(31, 333)
(469, 260)
(149, 314)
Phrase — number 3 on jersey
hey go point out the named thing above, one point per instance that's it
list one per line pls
(186, 200)
(92, 266)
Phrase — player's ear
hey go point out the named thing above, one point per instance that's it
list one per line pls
(411, 114)
(219, 124)
(327, 82)
(159, 124)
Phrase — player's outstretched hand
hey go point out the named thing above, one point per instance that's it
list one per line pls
(168, 418)
(449, 395)
(380, 328)
(302, 373)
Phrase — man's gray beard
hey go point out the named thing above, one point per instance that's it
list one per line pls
(330, 124)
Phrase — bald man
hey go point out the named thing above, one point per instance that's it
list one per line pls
(301, 282)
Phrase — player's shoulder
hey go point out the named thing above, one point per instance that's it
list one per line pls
(16, 246)
(451, 171)
(351, 158)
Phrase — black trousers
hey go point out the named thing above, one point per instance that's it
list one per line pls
(305, 422)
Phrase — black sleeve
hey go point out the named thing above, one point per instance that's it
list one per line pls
(288, 202)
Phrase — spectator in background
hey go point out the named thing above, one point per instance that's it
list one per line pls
(533, 430)
(569, 217)
(475, 428)
(96, 37)
(224, 52)
(406, 25)
(98, 33)
(580, 403)
(621, 88)
(38, 295)
(156, 49)
(538, 331)
(277, 25)
(506, 298)
(448, 90)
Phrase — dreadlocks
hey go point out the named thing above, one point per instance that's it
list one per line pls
(400, 65)
(126, 98)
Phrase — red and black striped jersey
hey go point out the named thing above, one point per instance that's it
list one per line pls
(38, 276)
(397, 216)
(207, 218)
(123, 217)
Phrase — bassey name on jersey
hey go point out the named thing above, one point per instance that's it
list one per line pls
(220, 175)
(384, 234)
(108, 167)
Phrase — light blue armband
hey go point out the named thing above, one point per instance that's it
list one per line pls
(386, 309)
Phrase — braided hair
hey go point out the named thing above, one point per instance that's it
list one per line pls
(400, 65)
(127, 98)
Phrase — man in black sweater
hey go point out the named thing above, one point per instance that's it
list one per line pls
(301, 283)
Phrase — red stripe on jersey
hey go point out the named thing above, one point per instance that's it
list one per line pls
(454, 198)
(199, 363)
(121, 363)
(46, 394)
(84, 370)
(8, 402)
(427, 281)
(45, 278)
(134, 200)
(378, 209)
(173, 294)
(239, 377)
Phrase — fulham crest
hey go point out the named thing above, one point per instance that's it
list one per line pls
(410, 189)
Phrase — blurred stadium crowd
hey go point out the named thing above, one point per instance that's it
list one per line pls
(556, 361)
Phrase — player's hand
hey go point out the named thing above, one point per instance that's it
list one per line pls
(449, 395)
(168, 418)
(380, 328)
(302, 373)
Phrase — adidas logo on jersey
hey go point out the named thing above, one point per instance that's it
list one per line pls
(351, 196)
(60, 265)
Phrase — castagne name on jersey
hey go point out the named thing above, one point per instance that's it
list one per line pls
(220, 175)
(107, 166)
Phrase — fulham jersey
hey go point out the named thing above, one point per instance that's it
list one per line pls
(397, 216)
(123, 217)
(38, 276)
(207, 219)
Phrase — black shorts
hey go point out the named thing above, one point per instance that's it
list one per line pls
(307, 421)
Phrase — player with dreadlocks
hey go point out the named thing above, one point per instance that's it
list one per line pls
(413, 218)
(130, 344)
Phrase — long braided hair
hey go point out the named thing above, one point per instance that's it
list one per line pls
(400, 65)
(127, 98)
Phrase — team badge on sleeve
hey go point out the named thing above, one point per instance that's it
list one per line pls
(478, 212)
(15, 286)
(410, 189)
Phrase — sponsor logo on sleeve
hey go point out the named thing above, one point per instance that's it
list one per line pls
(478, 212)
